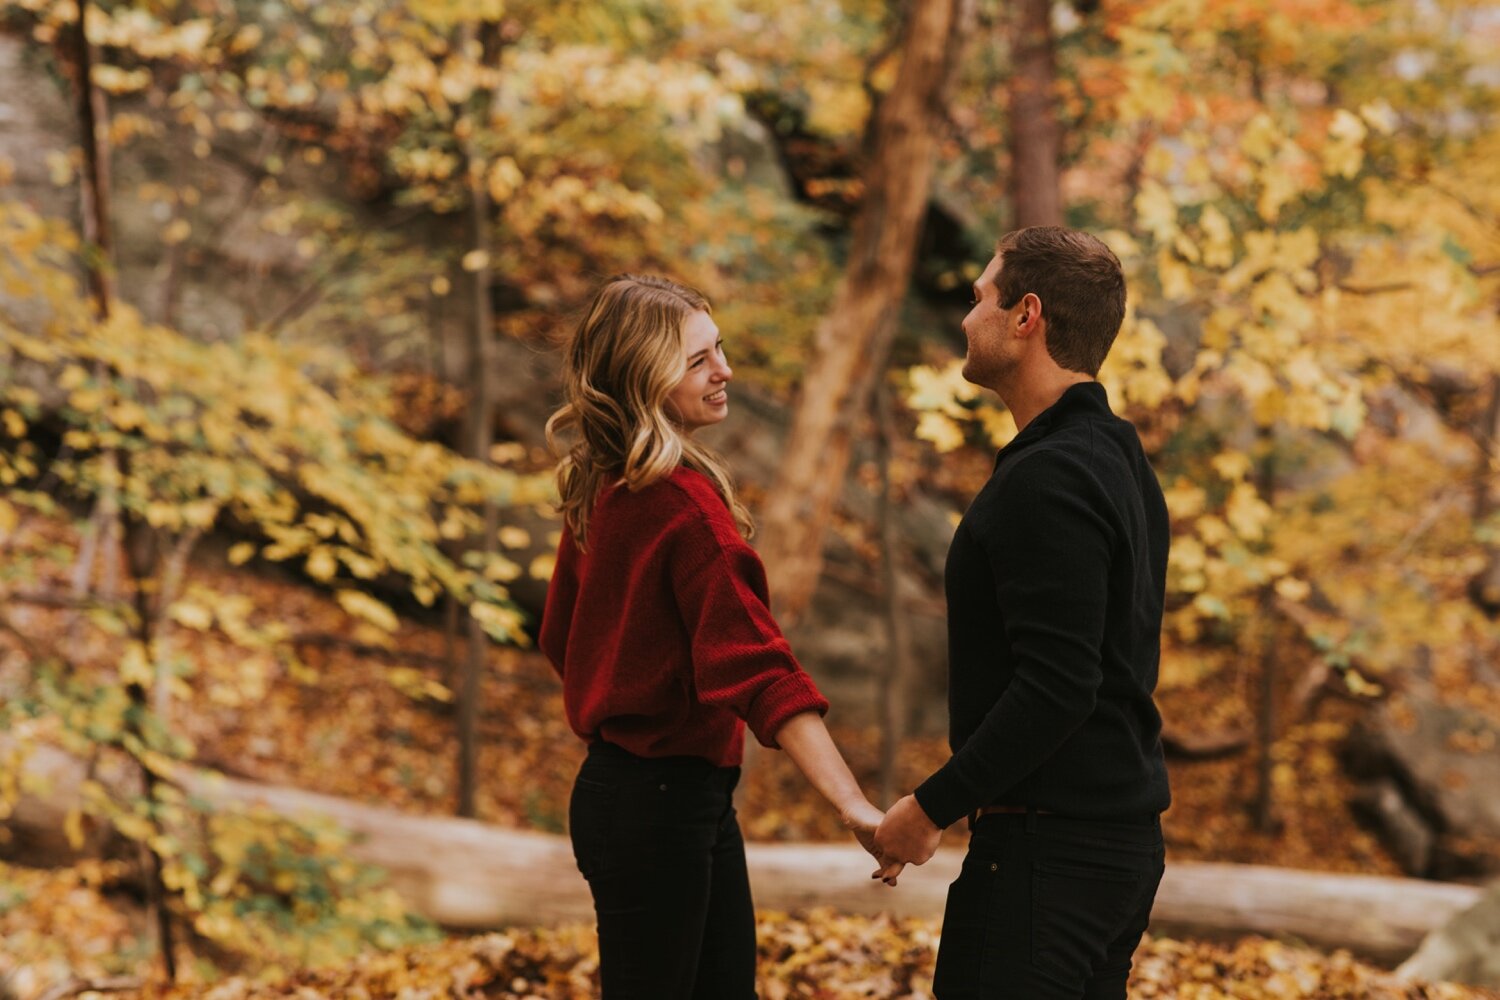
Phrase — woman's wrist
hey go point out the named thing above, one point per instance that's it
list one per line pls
(857, 811)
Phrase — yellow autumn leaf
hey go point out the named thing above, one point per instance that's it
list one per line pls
(476, 260)
(1247, 513)
(72, 377)
(502, 623)
(176, 231)
(363, 606)
(941, 430)
(1293, 589)
(542, 566)
(513, 537)
(191, 615)
(999, 424)
(1231, 465)
(134, 827)
(321, 564)
(504, 178)
(73, 828)
(134, 666)
(241, 553)
(501, 569)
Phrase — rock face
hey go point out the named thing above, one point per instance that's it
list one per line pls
(1429, 773)
(33, 130)
(1465, 950)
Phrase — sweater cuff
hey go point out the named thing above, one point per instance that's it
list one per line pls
(943, 799)
(791, 695)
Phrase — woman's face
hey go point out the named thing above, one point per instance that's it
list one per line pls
(699, 399)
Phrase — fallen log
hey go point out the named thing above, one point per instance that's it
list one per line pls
(471, 876)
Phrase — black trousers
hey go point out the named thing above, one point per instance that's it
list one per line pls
(1048, 908)
(660, 845)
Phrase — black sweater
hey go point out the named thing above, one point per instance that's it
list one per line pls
(1055, 583)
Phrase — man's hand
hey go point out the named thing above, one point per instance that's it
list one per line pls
(905, 836)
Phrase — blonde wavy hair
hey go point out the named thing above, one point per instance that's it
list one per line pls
(619, 366)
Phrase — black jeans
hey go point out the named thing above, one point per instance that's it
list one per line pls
(1048, 908)
(659, 843)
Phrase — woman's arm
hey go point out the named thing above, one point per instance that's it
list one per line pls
(805, 739)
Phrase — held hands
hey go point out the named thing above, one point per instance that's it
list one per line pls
(906, 836)
(862, 819)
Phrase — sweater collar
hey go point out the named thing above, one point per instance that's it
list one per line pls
(1083, 399)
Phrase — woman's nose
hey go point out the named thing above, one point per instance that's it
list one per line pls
(724, 373)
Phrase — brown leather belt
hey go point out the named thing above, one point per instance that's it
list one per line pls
(1010, 811)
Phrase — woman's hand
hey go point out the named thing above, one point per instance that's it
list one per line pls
(805, 739)
(862, 819)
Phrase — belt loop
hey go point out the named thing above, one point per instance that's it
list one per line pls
(1031, 819)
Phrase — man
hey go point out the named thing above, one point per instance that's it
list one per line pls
(1055, 584)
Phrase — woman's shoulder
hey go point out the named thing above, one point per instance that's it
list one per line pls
(683, 493)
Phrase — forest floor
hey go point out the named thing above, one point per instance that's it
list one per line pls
(359, 719)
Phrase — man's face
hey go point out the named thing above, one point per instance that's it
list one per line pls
(992, 350)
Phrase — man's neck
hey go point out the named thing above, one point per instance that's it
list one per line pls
(1027, 397)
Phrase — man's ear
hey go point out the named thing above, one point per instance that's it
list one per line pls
(1030, 313)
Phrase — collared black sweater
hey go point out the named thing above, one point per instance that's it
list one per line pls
(1055, 583)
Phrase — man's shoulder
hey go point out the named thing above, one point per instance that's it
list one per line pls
(1066, 457)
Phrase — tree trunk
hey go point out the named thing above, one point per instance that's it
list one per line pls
(102, 536)
(143, 557)
(853, 339)
(1267, 619)
(92, 117)
(896, 671)
(1035, 137)
(1484, 588)
(481, 431)
(471, 876)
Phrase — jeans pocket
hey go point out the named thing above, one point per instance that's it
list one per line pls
(591, 823)
(1078, 908)
(969, 925)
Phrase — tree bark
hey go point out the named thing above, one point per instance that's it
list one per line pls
(853, 340)
(1035, 136)
(144, 559)
(895, 673)
(1484, 588)
(471, 876)
(92, 116)
(481, 431)
(1268, 621)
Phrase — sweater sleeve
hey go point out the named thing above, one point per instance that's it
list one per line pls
(1048, 544)
(562, 596)
(740, 658)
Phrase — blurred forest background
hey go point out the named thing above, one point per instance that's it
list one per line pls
(281, 283)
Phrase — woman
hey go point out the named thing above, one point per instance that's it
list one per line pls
(657, 620)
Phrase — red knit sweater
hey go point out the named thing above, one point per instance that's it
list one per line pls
(661, 630)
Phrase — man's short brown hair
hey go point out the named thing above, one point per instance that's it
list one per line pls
(1080, 284)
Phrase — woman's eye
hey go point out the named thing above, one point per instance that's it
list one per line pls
(695, 364)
